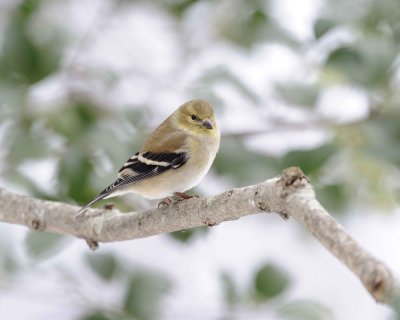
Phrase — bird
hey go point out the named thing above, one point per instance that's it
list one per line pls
(173, 159)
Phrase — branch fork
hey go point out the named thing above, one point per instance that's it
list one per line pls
(290, 195)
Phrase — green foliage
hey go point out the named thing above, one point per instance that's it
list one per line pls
(183, 235)
(310, 161)
(27, 143)
(366, 62)
(28, 7)
(333, 196)
(382, 133)
(346, 59)
(186, 235)
(77, 120)
(101, 316)
(144, 295)
(243, 167)
(22, 59)
(144, 290)
(269, 282)
(384, 12)
(74, 170)
(42, 245)
(230, 291)
(179, 7)
(305, 310)
(220, 75)
(89, 141)
(396, 307)
(104, 265)
(298, 93)
(249, 23)
(322, 26)
(369, 156)
(8, 262)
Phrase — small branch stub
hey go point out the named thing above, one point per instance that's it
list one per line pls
(93, 245)
(291, 194)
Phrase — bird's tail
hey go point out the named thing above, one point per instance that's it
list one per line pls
(99, 197)
(114, 189)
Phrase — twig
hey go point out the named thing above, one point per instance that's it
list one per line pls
(291, 195)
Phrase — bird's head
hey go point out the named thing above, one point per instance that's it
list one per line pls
(197, 116)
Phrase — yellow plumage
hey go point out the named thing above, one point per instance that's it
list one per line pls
(174, 158)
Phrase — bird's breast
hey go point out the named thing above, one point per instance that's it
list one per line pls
(200, 159)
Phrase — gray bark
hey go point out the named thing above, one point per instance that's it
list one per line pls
(290, 195)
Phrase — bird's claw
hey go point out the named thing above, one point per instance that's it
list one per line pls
(177, 197)
(165, 203)
(184, 196)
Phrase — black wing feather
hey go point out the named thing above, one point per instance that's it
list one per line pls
(135, 170)
(175, 160)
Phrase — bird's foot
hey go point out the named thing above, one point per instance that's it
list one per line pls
(166, 202)
(177, 197)
(109, 206)
(184, 196)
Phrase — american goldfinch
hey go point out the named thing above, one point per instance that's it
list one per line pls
(173, 159)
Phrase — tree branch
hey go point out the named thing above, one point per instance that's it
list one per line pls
(291, 194)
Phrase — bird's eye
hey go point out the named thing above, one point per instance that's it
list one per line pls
(194, 117)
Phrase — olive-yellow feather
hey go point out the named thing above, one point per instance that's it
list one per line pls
(173, 159)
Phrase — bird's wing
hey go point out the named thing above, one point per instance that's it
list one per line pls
(147, 165)
(162, 151)
(165, 140)
(140, 167)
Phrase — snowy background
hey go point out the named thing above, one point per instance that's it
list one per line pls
(308, 83)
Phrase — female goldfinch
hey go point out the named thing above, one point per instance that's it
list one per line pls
(173, 159)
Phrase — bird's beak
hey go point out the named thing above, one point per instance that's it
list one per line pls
(207, 123)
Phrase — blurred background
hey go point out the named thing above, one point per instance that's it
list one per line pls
(308, 83)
